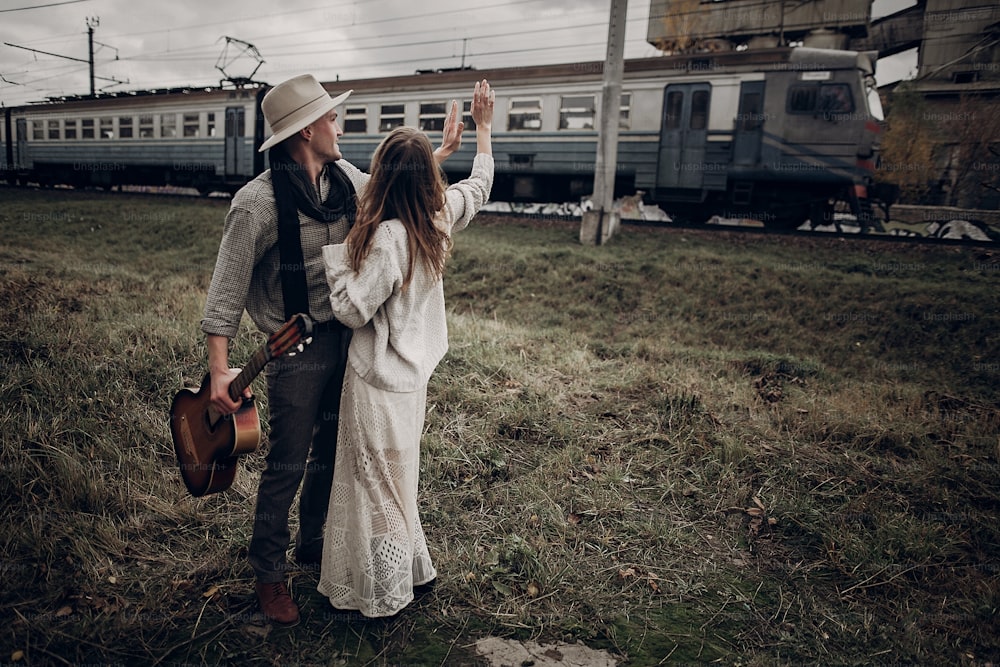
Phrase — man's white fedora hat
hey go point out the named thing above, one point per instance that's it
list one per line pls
(294, 104)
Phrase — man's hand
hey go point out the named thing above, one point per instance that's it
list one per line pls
(451, 140)
(219, 396)
(222, 375)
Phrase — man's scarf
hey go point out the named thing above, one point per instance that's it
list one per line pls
(294, 192)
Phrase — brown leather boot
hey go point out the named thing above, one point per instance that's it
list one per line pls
(276, 604)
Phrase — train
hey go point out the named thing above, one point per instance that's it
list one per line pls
(780, 135)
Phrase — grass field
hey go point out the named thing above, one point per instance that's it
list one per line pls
(683, 447)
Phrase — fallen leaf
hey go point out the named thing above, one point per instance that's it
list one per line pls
(574, 518)
(112, 580)
(210, 592)
(533, 589)
(502, 588)
(259, 631)
(64, 611)
(17, 656)
(754, 511)
(626, 573)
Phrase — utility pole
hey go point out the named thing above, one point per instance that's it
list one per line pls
(92, 22)
(600, 223)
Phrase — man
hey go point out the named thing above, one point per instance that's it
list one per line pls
(270, 264)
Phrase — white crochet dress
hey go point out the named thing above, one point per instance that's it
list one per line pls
(374, 549)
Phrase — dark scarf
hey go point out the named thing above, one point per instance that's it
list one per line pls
(294, 192)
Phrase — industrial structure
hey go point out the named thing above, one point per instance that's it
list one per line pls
(957, 80)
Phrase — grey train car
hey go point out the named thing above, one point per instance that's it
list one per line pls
(777, 135)
(780, 135)
(200, 138)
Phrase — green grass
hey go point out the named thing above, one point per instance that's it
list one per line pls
(682, 446)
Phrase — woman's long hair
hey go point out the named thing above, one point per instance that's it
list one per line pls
(405, 184)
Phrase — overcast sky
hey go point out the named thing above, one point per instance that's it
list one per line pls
(170, 43)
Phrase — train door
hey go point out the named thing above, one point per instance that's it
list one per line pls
(683, 133)
(749, 128)
(235, 122)
(20, 145)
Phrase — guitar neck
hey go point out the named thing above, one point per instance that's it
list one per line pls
(251, 370)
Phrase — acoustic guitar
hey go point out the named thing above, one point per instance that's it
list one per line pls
(208, 444)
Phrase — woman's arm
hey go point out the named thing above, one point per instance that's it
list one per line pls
(465, 198)
(483, 99)
(356, 296)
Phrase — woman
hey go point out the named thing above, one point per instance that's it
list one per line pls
(386, 284)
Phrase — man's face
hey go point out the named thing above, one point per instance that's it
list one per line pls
(326, 130)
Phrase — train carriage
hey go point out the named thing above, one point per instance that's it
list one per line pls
(780, 134)
(184, 137)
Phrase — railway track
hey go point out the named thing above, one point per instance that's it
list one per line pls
(569, 215)
(971, 235)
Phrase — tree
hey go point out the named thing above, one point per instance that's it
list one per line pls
(972, 131)
(907, 146)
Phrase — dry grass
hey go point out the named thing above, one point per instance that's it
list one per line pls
(681, 447)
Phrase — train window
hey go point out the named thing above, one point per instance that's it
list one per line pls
(37, 130)
(210, 129)
(672, 110)
(125, 127)
(823, 98)
(356, 119)
(802, 99)
(699, 110)
(467, 115)
(525, 114)
(168, 125)
(751, 115)
(392, 115)
(576, 112)
(146, 126)
(835, 98)
(107, 128)
(53, 129)
(191, 124)
(625, 112)
(432, 115)
(87, 128)
(69, 131)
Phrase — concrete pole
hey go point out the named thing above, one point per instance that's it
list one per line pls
(91, 24)
(600, 223)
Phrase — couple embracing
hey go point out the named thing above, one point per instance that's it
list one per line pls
(363, 254)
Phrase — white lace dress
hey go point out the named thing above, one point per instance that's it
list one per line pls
(374, 549)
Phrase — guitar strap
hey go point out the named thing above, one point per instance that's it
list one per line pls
(294, 192)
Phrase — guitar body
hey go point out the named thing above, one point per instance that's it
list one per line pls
(207, 452)
(208, 445)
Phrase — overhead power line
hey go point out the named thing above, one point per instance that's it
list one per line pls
(497, 43)
(51, 4)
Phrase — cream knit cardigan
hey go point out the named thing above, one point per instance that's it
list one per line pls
(400, 335)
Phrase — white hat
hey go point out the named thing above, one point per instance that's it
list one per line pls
(294, 104)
